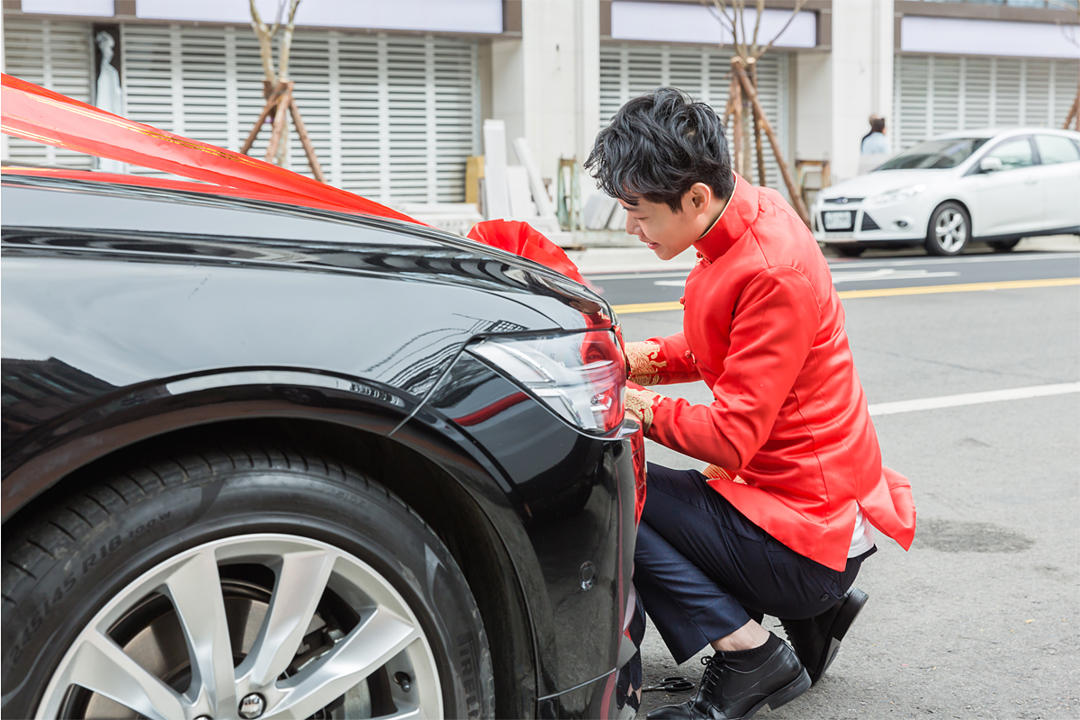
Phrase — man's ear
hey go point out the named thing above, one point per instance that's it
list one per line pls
(698, 197)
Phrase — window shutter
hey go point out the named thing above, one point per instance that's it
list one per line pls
(936, 94)
(945, 79)
(390, 117)
(977, 96)
(912, 103)
(1007, 91)
(1038, 103)
(58, 56)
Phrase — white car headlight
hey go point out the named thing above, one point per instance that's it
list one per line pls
(894, 196)
(580, 376)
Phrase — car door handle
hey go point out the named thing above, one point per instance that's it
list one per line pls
(1030, 182)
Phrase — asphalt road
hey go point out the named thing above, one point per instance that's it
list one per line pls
(979, 619)
(848, 275)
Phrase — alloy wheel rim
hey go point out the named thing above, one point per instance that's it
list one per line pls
(950, 230)
(298, 658)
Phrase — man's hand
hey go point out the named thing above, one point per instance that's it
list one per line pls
(639, 402)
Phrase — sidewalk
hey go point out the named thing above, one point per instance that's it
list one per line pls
(621, 253)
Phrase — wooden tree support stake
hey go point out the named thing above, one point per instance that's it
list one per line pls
(278, 128)
(301, 130)
(793, 192)
(759, 151)
(1074, 111)
(280, 103)
(737, 131)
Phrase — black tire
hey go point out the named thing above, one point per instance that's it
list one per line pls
(1003, 245)
(62, 566)
(949, 229)
(851, 251)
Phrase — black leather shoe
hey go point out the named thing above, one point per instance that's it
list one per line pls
(817, 640)
(728, 692)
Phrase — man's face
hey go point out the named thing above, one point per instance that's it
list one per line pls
(666, 232)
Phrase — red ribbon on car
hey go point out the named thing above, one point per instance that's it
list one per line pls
(35, 113)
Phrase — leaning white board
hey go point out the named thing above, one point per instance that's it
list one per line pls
(544, 206)
(496, 191)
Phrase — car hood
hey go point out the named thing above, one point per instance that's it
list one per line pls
(165, 227)
(229, 178)
(875, 183)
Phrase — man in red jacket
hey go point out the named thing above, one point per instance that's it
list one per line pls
(780, 520)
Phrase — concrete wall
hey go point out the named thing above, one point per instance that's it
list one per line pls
(861, 74)
(545, 85)
(812, 106)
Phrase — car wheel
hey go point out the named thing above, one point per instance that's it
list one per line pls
(949, 229)
(851, 251)
(1004, 245)
(238, 584)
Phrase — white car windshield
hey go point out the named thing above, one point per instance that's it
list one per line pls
(935, 154)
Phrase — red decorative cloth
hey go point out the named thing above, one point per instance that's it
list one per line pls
(35, 113)
(522, 239)
(789, 427)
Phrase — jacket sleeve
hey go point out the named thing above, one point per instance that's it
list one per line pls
(772, 330)
(659, 361)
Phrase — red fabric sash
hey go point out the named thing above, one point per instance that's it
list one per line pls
(34, 113)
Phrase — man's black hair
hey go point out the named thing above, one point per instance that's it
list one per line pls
(657, 146)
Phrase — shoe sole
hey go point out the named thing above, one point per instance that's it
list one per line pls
(784, 695)
(845, 616)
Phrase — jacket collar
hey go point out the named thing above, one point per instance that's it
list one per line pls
(739, 213)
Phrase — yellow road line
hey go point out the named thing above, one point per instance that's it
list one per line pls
(884, 292)
(646, 307)
(960, 287)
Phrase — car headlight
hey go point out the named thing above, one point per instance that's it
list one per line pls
(895, 196)
(580, 376)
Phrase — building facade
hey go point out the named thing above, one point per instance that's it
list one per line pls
(394, 94)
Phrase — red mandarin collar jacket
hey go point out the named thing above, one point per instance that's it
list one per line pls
(764, 328)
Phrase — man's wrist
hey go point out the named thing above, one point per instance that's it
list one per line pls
(639, 405)
(644, 365)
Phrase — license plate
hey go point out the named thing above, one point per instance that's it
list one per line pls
(838, 220)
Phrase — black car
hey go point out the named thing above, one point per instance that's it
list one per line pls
(261, 460)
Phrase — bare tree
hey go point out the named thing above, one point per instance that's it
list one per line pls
(743, 97)
(278, 88)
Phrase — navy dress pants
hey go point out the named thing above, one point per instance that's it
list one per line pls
(702, 570)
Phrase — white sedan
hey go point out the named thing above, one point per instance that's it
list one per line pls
(992, 186)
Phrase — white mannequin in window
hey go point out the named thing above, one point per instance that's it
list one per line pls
(109, 95)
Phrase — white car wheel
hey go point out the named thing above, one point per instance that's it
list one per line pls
(179, 616)
(949, 230)
(255, 583)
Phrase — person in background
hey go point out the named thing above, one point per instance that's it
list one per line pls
(874, 148)
(780, 521)
(875, 142)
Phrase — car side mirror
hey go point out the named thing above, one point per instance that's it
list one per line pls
(989, 164)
